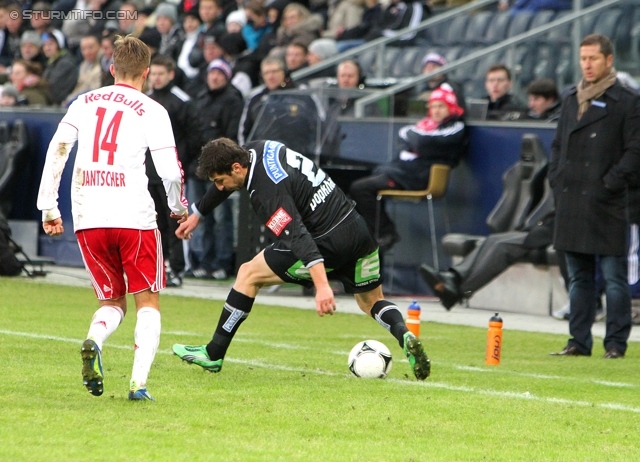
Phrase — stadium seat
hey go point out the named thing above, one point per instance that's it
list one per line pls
(497, 29)
(477, 28)
(519, 24)
(408, 63)
(454, 34)
(546, 58)
(541, 18)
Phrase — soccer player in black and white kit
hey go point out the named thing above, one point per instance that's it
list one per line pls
(319, 232)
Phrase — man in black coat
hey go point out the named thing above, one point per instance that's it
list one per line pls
(595, 157)
(219, 107)
(186, 126)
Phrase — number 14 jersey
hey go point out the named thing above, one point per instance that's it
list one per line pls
(113, 126)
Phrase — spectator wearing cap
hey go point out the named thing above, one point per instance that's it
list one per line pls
(234, 46)
(32, 89)
(502, 104)
(62, 71)
(219, 107)
(89, 70)
(211, 50)
(167, 25)
(543, 101)
(151, 37)
(257, 25)
(439, 138)
(213, 25)
(9, 96)
(30, 48)
(321, 49)
(430, 63)
(191, 27)
(346, 15)
(235, 21)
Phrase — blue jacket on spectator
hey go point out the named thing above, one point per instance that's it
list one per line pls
(537, 5)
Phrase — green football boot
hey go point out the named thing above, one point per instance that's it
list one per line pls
(420, 363)
(197, 355)
(92, 374)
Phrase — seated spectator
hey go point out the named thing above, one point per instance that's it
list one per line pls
(321, 49)
(275, 78)
(298, 25)
(533, 6)
(15, 27)
(502, 104)
(30, 48)
(257, 25)
(398, 15)
(407, 100)
(191, 25)
(346, 15)
(106, 60)
(90, 71)
(355, 36)
(544, 101)
(62, 71)
(296, 57)
(236, 21)
(168, 26)
(211, 50)
(128, 22)
(440, 138)
(349, 76)
(488, 260)
(32, 89)
(9, 96)
(213, 25)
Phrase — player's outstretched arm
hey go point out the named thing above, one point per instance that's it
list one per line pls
(181, 218)
(186, 227)
(325, 301)
(53, 227)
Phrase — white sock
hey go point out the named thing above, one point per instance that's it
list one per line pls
(104, 323)
(147, 339)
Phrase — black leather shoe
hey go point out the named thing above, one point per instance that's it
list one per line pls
(444, 285)
(570, 350)
(613, 353)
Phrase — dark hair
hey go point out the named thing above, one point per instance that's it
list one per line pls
(543, 87)
(499, 67)
(606, 47)
(165, 61)
(218, 156)
(300, 45)
(256, 7)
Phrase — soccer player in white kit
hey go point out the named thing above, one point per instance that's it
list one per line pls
(114, 215)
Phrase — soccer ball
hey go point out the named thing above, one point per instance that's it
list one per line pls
(370, 360)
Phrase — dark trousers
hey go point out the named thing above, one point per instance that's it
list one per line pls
(494, 255)
(582, 296)
(171, 244)
(365, 193)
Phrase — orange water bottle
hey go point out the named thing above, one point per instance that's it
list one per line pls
(494, 340)
(413, 318)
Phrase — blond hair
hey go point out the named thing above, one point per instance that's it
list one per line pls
(131, 57)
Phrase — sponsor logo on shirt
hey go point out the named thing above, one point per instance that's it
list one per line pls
(278, 221)
(322, 193)
(272, 163)
(103, 178)
(118, 98)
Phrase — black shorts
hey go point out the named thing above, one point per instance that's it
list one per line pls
(350, 255)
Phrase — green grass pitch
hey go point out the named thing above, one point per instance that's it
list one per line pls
(285, 393)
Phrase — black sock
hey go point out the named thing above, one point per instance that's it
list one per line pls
(388, 316)
(235, 311)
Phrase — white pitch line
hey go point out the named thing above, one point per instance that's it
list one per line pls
(430, 384)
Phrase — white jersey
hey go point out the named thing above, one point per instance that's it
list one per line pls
(113, 126)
